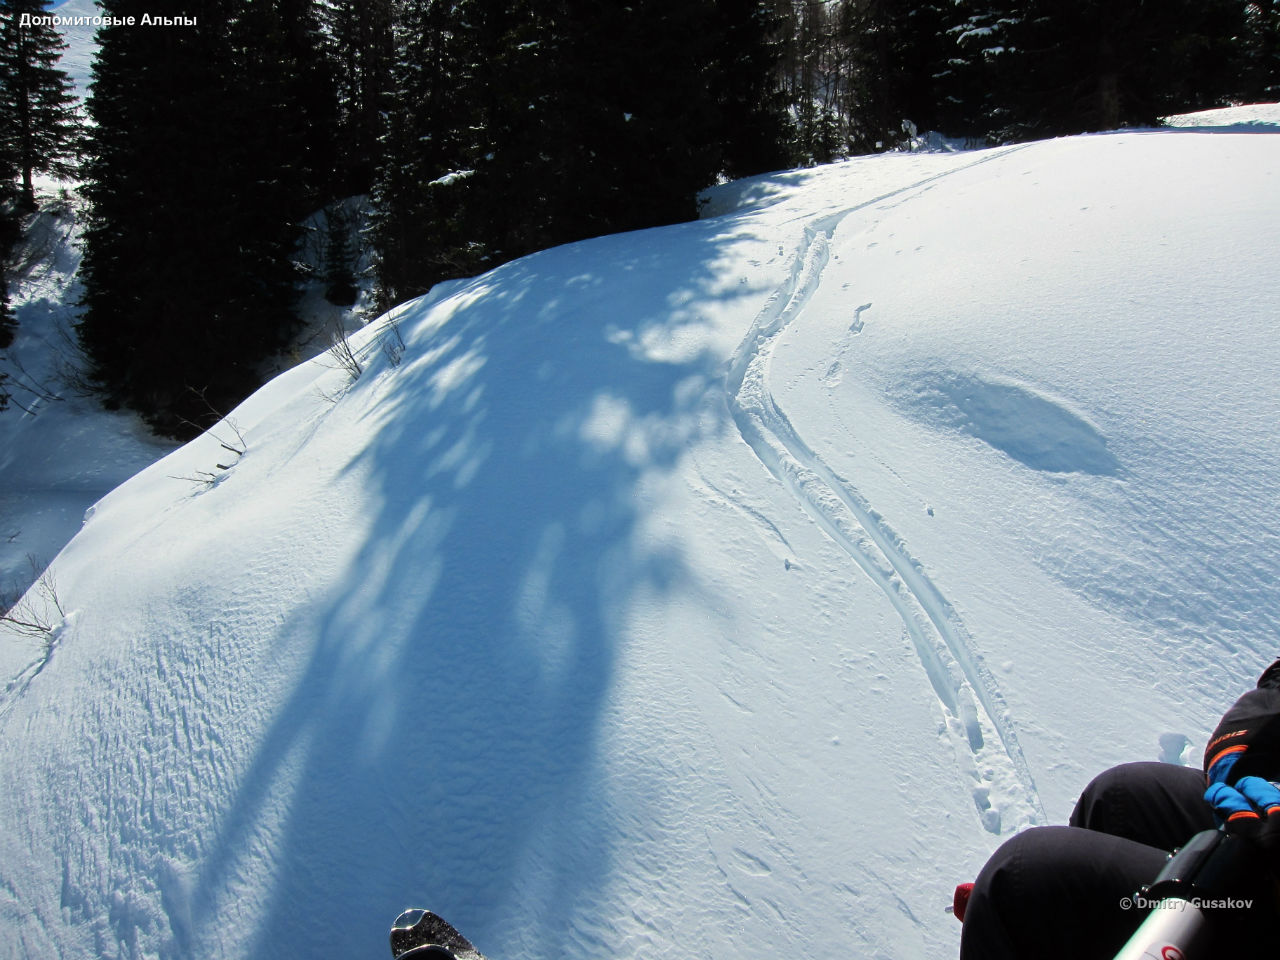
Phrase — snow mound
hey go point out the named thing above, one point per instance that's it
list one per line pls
(1254, 118)
(1034, 429)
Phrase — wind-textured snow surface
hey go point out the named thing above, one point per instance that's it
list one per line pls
(724, 590)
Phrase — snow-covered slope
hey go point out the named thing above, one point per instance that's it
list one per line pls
(59, 450)
(82, 43)
(723, 590)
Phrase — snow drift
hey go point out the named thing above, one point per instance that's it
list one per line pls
(728, 589)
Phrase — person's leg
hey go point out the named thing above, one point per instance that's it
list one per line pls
(1057, 892)
(1157, 804)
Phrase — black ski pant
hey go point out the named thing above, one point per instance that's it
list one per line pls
(1065, 892)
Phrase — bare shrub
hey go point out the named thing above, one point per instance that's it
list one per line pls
(37, 612)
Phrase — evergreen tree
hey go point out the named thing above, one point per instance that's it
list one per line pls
(360, 57)
(897, 56)
(338, 260)
(604, 119)
(815, 80)
(8, 235)
(1260, 76)
(188, 273)
(296, 48)
(1049, 69)
(514, 126)
(428, 143)
(636, 91)
(41, 128)
(8, 323)
(520, 127)
(755, 131)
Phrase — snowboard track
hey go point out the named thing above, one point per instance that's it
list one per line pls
(938, 634)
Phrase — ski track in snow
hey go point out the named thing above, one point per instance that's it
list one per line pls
(1002, 787)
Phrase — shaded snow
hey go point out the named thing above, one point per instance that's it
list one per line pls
(1039, 431)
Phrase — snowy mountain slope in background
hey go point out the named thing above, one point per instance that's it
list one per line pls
(82, 43)
(728, 589)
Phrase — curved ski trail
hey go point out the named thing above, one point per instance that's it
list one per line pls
(986, 744)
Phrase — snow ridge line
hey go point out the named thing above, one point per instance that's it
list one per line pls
(941, 640)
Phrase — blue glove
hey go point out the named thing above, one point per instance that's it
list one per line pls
(1247, 740)
(1249, 809)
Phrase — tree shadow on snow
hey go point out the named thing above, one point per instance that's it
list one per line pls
(443, 741)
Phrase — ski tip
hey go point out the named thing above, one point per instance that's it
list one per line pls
(960, 900)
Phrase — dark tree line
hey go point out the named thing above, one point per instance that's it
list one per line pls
(517, 126)
(199, 171)
(1101, 64)
(861, 75)
(482, 130)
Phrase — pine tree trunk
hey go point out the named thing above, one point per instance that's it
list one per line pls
(1110, 110)
(1109, 100)
(27, 201)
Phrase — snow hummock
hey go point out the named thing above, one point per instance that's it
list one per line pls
(1253, 118)
(729, 589)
